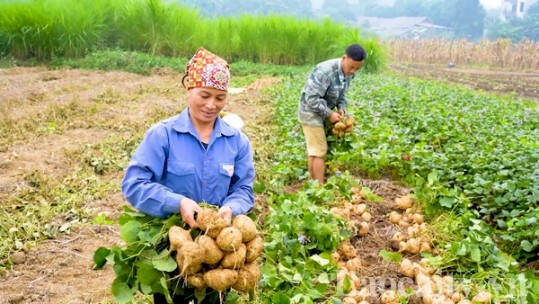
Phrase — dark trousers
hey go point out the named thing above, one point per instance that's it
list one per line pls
(210, 298)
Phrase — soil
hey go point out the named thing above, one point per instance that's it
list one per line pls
(523, 85)
(60, 270)
(377, 274)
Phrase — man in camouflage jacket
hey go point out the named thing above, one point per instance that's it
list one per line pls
(324, 91)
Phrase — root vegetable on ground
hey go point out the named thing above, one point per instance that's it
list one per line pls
(353, 265)
(366, 216)
(402, 246)
(349, 300)
(404, 202)
(394, 217)
(406, 268)
(412, 246)
(425, 247)
(404, 224)
(482, 297)
(360, 209)
(347, 251)
(389, 297)
(335, 257)
(396, 239)
(456, 297)
(417, 218)
(363, 229)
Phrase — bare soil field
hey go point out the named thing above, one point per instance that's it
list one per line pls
(518, 84)
(60, 270)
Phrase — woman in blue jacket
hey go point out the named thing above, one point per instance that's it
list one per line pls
(194, 157)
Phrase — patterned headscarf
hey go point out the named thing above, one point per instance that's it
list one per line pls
(207, 70)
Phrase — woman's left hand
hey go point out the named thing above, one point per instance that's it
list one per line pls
(226, 213)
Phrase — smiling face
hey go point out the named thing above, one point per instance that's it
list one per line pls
(205, 104)
(350, 66)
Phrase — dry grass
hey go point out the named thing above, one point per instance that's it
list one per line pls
(499, 54)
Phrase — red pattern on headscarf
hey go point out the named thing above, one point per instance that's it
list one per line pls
(207, 70)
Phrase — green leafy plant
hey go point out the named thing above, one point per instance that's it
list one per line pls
(145, 263)
(301, 234)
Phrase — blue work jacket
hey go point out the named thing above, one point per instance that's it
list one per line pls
(172, 163)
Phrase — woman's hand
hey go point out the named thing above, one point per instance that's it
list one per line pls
(226, 213)
(188, 207)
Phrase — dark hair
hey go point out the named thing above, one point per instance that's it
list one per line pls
(356, 52)
(183, 80)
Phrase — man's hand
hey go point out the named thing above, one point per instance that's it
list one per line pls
(335, 117)
(226, 213)
(188, 207)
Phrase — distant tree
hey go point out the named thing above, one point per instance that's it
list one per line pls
(517, 29)
(470, 18)
(466, 17)
(205, 7)
(409, 8)
(236, 7)
(340, 11)
(213, 8)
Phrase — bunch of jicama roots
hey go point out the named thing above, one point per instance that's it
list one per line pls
(223, 256)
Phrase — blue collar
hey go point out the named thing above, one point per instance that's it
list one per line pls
(183, 124)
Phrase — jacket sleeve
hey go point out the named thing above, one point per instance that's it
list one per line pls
(342, 102)
(315, 89)
(240, 194)
(140, 186)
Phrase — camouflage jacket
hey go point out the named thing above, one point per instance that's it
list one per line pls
(324, 90)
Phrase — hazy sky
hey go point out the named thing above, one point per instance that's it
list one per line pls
(491, 3)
